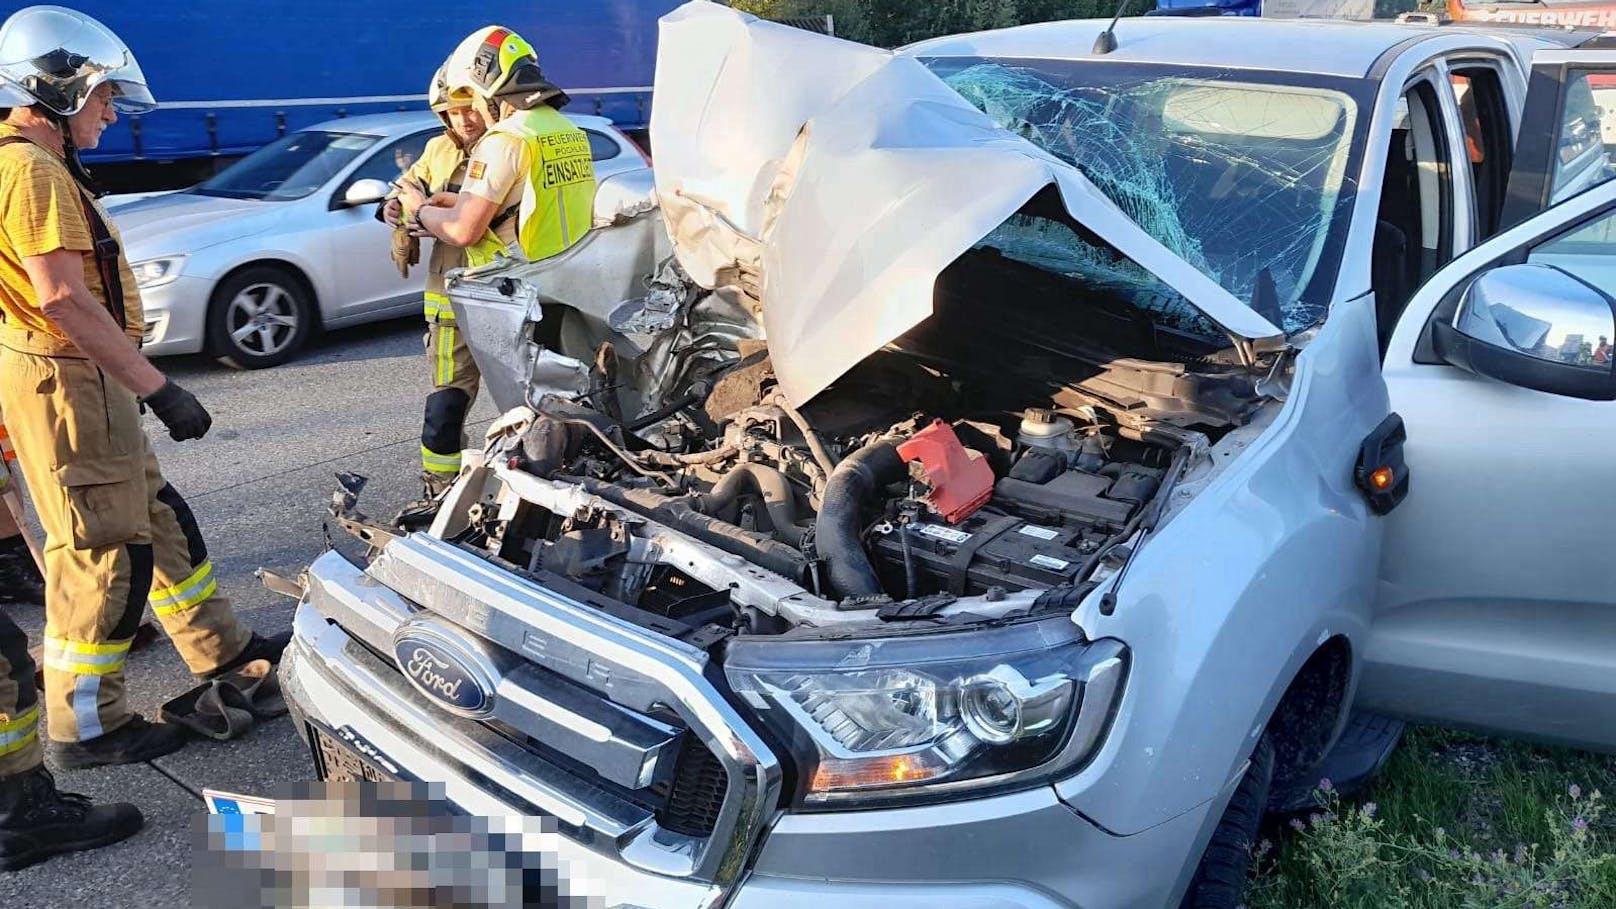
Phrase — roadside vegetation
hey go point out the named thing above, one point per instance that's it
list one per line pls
(1455, 822)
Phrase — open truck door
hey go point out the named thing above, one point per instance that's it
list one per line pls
(1496, 607)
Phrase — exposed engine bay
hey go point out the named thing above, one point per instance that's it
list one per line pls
(947, 478)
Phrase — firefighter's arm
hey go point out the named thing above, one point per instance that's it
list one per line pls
(497, 167)
(390, 211)
(462, 222)
(58, 279)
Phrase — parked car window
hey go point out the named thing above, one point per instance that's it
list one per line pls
(391, 160)
(1238, 174)
(1580, 158)
(601, 146)
(291, 167)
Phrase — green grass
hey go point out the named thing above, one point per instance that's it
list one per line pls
(1456, 821)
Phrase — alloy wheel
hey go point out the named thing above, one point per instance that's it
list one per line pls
(261, 319)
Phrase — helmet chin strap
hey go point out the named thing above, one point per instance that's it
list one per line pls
(70, 151)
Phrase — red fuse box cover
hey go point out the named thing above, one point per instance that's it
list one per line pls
(961, 480)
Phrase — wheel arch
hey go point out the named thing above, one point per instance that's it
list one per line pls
(1310, 714)
(297, 272)
(218, 346)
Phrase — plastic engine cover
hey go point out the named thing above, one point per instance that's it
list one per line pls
(960, 480)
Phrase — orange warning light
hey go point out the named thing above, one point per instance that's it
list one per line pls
(876, 772)
(902, 769)
(1382, 478)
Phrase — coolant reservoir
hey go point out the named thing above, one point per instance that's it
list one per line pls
(1042, 428)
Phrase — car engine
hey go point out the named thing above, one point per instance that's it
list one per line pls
(928, 484)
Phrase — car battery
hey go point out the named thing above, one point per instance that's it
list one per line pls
(988, 549)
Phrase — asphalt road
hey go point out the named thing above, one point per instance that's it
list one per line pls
(259, 484)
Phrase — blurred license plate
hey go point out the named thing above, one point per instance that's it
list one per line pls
(346, 757)
(220, 802)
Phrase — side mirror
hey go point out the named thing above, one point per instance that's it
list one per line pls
(1537, 327)
(364, 192)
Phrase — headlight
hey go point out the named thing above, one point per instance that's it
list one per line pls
(154, 272)
(923, 716)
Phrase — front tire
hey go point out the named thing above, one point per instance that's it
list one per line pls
(258, 317)
(1220, 880)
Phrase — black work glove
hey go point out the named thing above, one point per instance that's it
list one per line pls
(180, 411)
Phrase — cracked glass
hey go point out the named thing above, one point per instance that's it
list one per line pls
(1248, 176)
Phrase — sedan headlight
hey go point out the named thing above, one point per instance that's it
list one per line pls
(155, 272)
(925, 716)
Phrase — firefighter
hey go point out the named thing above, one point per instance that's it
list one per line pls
(455, 379)
(36, 819)
(72, 383)
(529, 191)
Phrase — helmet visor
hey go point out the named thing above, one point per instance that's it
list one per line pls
(132, 97)
(13, 96)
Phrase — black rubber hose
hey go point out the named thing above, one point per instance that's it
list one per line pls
(771, 554)
(911, 577)
(837, 535)
(768, 484)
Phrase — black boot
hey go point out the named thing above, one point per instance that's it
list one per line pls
(131, 743)
(37, 821)
(20, 580)
(258, 648)
(418, 514)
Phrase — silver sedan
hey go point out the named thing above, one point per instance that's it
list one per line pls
(245, 266)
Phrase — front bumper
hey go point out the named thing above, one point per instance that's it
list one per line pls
(1024, 849)
(176, 316)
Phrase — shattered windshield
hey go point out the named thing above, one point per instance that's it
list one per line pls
(1248, 176)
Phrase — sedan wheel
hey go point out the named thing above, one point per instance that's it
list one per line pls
(259, 317)
(261, 320)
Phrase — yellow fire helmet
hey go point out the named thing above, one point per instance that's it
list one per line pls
(495, 64)
(437, 95)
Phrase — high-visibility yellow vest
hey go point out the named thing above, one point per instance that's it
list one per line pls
(558, 202)
(443, 167)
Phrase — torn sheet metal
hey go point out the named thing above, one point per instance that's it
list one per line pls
(496, 307)
(848, 178)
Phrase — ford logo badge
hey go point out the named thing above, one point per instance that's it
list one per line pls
(447, 667)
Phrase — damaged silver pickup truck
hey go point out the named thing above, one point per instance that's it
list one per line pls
(984, 504)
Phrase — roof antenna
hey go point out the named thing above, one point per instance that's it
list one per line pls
(1106, 41)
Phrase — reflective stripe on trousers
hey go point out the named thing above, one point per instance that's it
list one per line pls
(438, 308)
(433, 462)
(16, 733)
(188, 593)
(445, 371)
(84, 658)
(87, 662)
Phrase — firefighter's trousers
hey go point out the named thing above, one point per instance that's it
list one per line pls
(454, 386)
(19, 702)
(116, 533)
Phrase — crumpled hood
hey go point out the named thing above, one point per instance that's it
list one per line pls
(845, 178)
(180, 222)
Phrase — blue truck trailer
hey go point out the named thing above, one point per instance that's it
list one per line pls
(231, 76)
